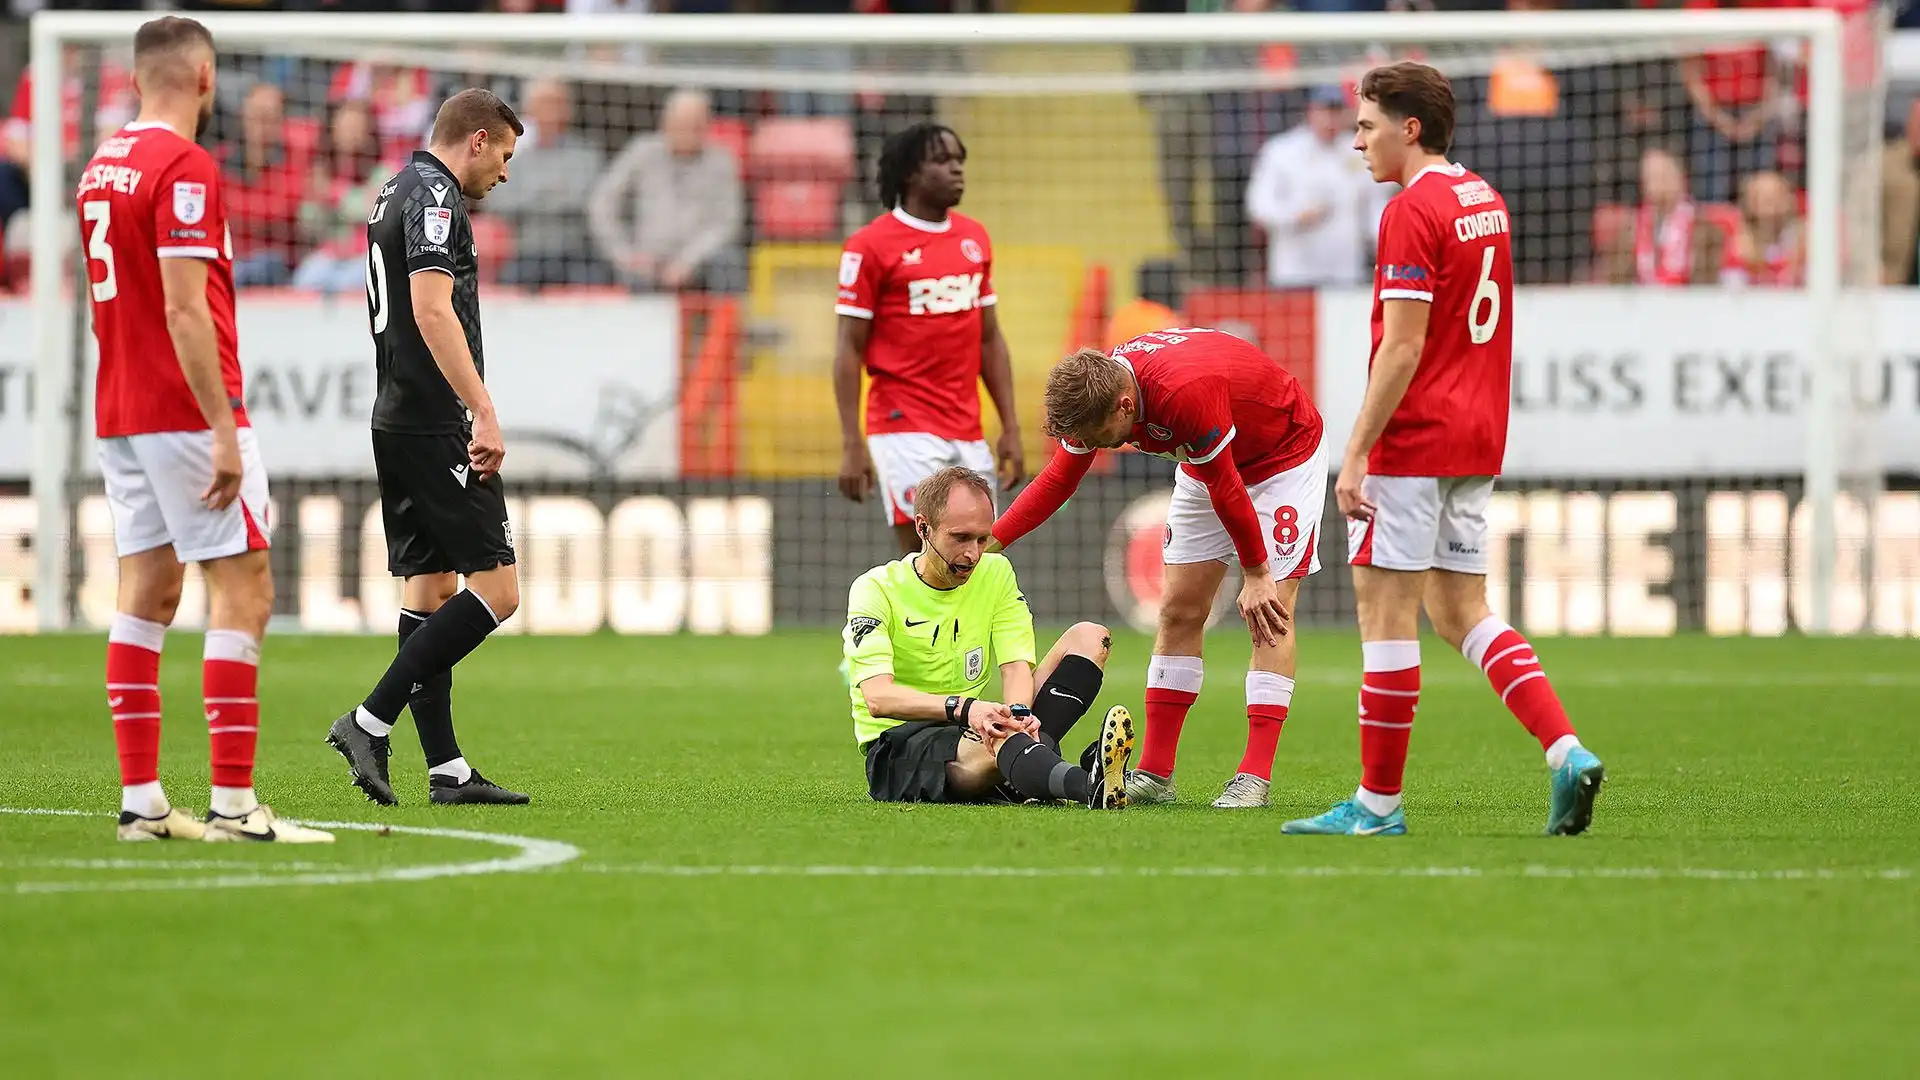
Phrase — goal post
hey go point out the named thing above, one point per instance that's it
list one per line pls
(990, 76)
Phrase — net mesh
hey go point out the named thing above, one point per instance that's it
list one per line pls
(660, 323)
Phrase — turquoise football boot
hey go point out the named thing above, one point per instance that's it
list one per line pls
(1349, 818)
(1575, 785)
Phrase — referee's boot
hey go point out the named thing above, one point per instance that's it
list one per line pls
(475, 790)
(367, 756)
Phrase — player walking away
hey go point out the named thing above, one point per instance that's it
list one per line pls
(1189, 394)
(1420, 466)
(916, 309)
(923, 636)
(436, 447)
(182, 469)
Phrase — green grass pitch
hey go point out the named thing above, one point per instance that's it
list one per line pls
(1747, 904)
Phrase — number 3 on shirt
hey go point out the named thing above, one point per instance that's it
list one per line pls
(99, 214)
(1479, 330)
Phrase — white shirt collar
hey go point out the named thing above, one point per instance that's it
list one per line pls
(1449, 169)
(149, 125)
(904, 218)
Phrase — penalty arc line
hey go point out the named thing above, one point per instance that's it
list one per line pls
(1539, 872)
(531, 854)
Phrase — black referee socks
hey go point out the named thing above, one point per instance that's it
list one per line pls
(430, 651)
(1036, 771)
(1072, 688)
(431, 703)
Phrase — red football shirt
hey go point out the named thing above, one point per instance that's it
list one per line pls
(149, 194)
(924, 284)
(1201, 393)
(1447, 240)
(1202, 390)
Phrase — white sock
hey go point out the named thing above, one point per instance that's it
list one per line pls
(1562, 746)
(233, 801)
(146, 799)
(370, 723)
(457, 768)
(1377, 804)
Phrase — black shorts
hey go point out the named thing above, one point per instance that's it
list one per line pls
(439, 517)
(908, 762)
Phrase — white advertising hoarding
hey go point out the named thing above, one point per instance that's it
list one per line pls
(1656, 383)
(583, 387)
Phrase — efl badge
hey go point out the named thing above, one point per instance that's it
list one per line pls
(438, 222)
(976, 663)
(189, 202)
(971, 249)
(1158, 433)
(849, 269)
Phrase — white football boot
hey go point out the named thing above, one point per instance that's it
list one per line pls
(1244, 792)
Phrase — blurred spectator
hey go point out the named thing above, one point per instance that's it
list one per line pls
(117, 104)
(682, 193)
(401, 99)
(1900, 196)
(1736, 100)
(1664, 242)
(1770, 247)
(338, 197)
(264, 187)
(1156, 308)
(1312, 194)
(545, 198)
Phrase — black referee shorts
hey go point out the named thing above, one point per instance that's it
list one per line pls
(440, 518)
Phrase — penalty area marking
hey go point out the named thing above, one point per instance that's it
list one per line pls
(529, 853)
(1631, 873)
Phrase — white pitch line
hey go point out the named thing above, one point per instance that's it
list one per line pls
(166, 864)
(530, 854)
(1635, 873)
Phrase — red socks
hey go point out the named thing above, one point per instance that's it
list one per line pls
(229, 678)
(1173, 685)
(1389, 694)
(133, 695)
(1268, 696)
(1514, 671)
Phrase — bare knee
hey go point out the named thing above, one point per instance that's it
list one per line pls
(499, 589)
(241, 591)
(1089, 639)
(150, 584)
(973, 770)
(1184, 618)
(1456, 603)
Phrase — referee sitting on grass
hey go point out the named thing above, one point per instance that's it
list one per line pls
(922, 635)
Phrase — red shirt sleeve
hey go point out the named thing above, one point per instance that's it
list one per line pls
(1045, 494)
(1409, 258)
(188, 221)
(1201, 413)
(859, 279)
(988, 297)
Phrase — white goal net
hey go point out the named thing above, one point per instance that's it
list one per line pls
(1711, 430)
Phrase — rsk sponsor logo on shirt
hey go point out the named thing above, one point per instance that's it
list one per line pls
(189, 201)
(944, 295)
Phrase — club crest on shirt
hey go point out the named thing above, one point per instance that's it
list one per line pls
(189, 202)
(971, 249)
(976, 662)
(1158, 433)
(437, 222)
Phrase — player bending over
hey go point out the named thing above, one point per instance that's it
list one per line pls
(182, 468)
(1189, 395)
(923, 636)
(1420, 466)
(916, 307)
(436, 447)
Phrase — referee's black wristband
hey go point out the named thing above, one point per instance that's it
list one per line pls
(966, 709)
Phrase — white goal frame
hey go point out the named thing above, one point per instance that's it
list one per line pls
(54, 413)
